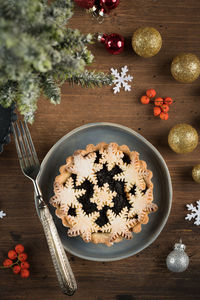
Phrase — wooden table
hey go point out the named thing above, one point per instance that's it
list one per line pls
(143, 276)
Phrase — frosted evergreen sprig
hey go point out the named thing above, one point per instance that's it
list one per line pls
(91, 79)
(38, 53)
(51, 90)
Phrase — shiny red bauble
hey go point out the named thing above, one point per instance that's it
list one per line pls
(114, 42)
(85, 3)
(109, 4)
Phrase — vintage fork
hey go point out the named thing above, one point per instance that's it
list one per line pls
(30, 167)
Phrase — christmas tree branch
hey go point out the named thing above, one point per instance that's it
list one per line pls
(91, 79)
(51, 89)
(38, 52)
(7, 94)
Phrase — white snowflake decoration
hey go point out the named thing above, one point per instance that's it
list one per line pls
(141, 203)
(111, 156)
(117, 225)
(195, 213)
(2, 214)
(83, 224)
(121, 79)
(130, 176)
(103, 196)
(67, 195)
(84, 168)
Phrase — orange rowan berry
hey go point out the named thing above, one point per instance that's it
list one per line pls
(25, 273)
(16, 269)
(165, 108)
(164, 116)
(12, 254)
(156, 110)
(158, 101)
(22, 256)
(151, 93)
(145, 100)
(168, 101)
(19, 248)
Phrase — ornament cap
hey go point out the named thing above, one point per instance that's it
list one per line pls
(92, 9)
(101, 37)
(179, 246)
(102, 12)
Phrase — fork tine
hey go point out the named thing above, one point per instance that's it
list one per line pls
(21, 144)
(22, 164)
(31, 143)
(30, 156)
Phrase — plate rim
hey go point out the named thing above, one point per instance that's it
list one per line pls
(164, 220)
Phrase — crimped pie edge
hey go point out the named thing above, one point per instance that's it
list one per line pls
(103, 237)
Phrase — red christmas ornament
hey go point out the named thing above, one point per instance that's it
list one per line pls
(109, 4)
(85, 3)
(114, 42)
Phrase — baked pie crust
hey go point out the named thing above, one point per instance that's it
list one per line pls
(104, 193)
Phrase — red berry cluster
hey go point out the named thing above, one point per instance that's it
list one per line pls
(161, 106)
(17, 260)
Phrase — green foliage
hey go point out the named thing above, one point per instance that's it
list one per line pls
(38, 53)
(91, 79)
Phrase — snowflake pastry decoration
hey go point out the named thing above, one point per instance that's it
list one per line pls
(141, 203)
(84, 168)
(111, 157)
(118, 225)
(67, 195)
(130, 175)
(195, 213)
(121, 79)
(83, 224)
(2, 214)
(103, 196)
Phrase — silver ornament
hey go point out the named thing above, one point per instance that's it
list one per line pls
(178, 260)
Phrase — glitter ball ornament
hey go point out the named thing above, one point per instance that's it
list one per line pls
(185, 67)
(85, 3)
(178, 260)
(196, 173)
(146, 41)
(114, 42)
(183, 138)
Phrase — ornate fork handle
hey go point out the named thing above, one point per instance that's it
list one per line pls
(61, 264)
(30, 167)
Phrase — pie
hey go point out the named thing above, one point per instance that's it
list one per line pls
(103, 193)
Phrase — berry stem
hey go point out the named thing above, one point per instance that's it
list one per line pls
(6, 267)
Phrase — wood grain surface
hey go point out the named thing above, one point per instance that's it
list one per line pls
(143, 276)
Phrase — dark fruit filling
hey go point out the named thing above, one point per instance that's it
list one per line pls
(133, 190)
(104, 176)
(126, 158)
(88, 206)
(102, 219)
(120, 201)
(98, 156)
(72, 211)
(144, 191)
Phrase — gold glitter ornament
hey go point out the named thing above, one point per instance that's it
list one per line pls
(146, 41)
(183, 138)
(196, 173)
(185, 67)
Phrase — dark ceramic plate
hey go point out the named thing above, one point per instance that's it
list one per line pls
(7, 116)
(108, 132)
